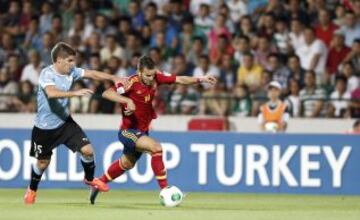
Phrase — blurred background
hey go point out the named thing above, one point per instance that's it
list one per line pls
(311, 48)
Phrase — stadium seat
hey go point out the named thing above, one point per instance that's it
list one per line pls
(208, 124)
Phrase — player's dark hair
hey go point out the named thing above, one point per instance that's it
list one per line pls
(146, 62)
(62, 50)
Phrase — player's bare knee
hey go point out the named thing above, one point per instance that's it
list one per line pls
(43, 164)
(87, 151)
(156, 147)
(127, 164)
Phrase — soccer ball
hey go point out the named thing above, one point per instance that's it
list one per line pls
(171, 196)
(271, 127)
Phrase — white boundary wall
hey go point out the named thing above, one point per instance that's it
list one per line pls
(179, 123)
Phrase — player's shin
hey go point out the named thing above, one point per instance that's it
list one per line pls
(115, 170)
(88, 164)
(157, 164)
(36, 174)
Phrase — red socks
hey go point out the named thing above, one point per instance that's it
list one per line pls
(159, 170)
(115, 170)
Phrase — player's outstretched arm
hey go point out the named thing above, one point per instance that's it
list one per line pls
(101, 76)
(52, 92)
(189, 80)
(112, 95)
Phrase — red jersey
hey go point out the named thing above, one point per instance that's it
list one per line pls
(142, 96)
(325, 34)
(335, 57)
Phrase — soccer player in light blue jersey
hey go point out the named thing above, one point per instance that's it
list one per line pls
(53, 123)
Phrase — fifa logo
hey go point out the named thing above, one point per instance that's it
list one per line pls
(147, 98)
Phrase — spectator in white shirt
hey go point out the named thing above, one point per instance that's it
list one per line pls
(312, 97)
(204, 68)
(313, 54)
(102, 27)
(293, 99)
(353, 81)
(296, 35)
(195, 5)
(80, 27)
(8, 87)
(32, 70)
(242, 46)
(203, 20)
(339, 99)
(112, 48)
(238, 9)
(351, 29)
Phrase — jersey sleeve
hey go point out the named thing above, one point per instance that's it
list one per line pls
(123, 86)
(77, 73)
(165, 78)
(46, 79)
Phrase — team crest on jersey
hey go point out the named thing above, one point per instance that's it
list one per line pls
(147, 98)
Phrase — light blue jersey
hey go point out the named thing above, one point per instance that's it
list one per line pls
(52, 113)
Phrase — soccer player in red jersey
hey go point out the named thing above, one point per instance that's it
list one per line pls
(136, 94)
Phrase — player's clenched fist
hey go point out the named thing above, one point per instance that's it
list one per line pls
(209, 79)
(130, 107)
(82, 92)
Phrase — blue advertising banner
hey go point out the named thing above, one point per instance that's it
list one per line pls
(199, 161)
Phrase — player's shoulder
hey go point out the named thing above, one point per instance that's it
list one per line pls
(128, 82)
(162, 73)
(133, 79)
(47, 71)
(160, 76)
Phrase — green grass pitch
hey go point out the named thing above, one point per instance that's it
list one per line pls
(132, 205)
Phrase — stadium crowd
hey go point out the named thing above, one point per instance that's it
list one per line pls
(311, 47)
